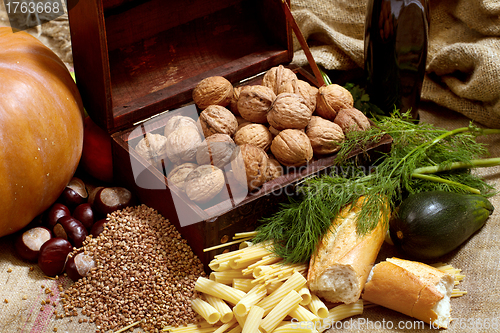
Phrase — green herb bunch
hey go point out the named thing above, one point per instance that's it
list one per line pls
(422, 158)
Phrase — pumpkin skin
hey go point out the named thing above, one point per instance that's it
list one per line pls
(41, 128)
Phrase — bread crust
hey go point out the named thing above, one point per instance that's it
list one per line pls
(408, 287)
(343, 251)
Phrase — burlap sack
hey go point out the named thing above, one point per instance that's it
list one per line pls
(463, 66)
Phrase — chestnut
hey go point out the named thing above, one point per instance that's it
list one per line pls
(55, 212)
(79, 266)
(75, 193)
(69, 228)
(53, 254)
(84, 214)
(28, 244)
(109, 199)
(98, 227)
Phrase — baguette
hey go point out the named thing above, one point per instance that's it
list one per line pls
(340, 265)
(412, 288)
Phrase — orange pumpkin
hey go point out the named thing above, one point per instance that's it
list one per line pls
(41, 128)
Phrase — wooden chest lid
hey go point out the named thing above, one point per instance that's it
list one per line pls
(134, 59)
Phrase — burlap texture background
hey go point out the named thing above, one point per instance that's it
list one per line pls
(464, 49)
(337, 44)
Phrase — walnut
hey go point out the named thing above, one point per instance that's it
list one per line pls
(254, 103)
(331, 99)
(178, 174)
(352, 119)
(217, 119)
(273, 131)
(213, 90)
(178, 121)
(249, 165)
(216, 150)
(274, 169)
(254, 134)
(277, 77)
(289, 111)
(233, 105)
(325, 135)
(153, 148)
(292, 147)
(182, 144)
(305, 90)
(204, 183)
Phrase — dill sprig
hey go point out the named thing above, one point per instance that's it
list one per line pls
(422, 158)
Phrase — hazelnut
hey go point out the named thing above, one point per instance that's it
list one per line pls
(254, 103)
(79, 266)
(216, 150)
(28, 244)
(326, 136)
(352, 119)
(249, 164)
(217, 119)
(331, 99)
(53, 254)
(204, 183)
(278, 77)
(69, 228)
(178, 121)
(182, 145)
(214, 90)
(292, 147)
(153, 148)
(255, 134)
(289, 111)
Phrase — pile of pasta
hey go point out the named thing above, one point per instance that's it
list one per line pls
(251, 290)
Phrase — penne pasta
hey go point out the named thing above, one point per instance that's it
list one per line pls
(226, 313)
(253, 320)
(271, 287)
(318, 307)
(217, 289)
(302, 314)
(295, 282)
(226, 326)
(204, 309)
(286, 305)
(227, 276)
(341, 312)
(295, 328)
(305, 293)
(250, 299)
(243, 284)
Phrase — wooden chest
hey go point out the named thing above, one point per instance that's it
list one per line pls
(135, 60)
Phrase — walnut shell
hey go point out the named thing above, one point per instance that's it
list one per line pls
(352, 119)
(182, 144)
(216, 150)
(178, 174)
(204, 183)
(249, 165)
(254, 134)
(254, 103)
(153, 148)
(273, 131)
(326, 136)
(274, 169)
(292, 147)
(308, 92)
(213, 90)
(331, 99)
(217, 119)
(233, 105)
(289, 111)
(178, 121)
(278, 77)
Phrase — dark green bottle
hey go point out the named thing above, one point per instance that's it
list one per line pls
(396, 43)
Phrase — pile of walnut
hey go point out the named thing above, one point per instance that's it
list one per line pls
(251, 132)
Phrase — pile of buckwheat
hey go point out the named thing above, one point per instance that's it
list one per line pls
(145, 271)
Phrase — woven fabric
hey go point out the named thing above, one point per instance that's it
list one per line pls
(464, 47)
